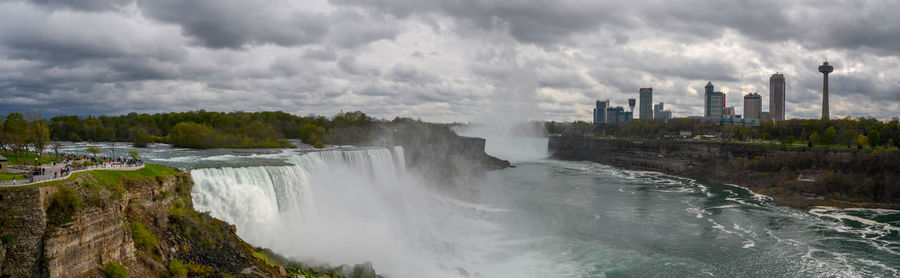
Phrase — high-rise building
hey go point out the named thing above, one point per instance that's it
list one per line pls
(825, 69)
(765, 116)
(752, 106)
(617, 115)
(600, 111)
(660, 113)
(646, 103)
(728, 112)
(713, 102)
(776, 97)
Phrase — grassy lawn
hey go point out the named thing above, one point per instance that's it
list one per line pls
(22, 157)
(9, 177)
(149, 170)
(108, 177)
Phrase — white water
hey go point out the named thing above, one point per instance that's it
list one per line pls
(347, 206)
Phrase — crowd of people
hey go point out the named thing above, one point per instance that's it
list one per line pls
(74, 162)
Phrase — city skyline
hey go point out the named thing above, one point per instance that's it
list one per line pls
(444, 62)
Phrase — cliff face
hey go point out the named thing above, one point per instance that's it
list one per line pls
(432, 149)
(142, 220)
(797, 176)
(98, 231)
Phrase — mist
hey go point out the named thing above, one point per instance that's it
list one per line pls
(350, 206)
(509, 123)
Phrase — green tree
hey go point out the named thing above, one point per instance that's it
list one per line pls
(40, 136)
(862, 141)
(16, 130)
(789, 140)
(93, 150)
(874, 138)
(815, 139)
(828, 136)
(192, 135)
(849, 138)
(311, 133)
(133, 154)
(141, 138)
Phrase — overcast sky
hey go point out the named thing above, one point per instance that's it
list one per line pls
(442, 60)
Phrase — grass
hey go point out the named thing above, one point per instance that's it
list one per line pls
(22, 157)
(108, 177)
(9, 177)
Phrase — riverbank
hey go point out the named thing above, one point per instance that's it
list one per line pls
(792, 176)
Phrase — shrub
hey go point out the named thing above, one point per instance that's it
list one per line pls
(115, 270)
(8, 238)
(143, 237)
(63, 205)
(177, 269)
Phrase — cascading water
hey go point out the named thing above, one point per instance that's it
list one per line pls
(344, 206)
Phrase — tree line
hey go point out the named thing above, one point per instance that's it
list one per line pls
(847, 132)
(194, 129)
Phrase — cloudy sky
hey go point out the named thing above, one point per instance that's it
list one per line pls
(441, 60)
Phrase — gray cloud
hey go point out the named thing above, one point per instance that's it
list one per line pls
(440, 60)
(236, 23)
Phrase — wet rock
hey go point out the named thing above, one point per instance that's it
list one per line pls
(364, 270)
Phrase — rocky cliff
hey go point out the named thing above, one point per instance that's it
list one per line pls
(140, 221)
(797, 176)
(432, 149)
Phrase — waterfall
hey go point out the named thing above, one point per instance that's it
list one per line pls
(339, 206)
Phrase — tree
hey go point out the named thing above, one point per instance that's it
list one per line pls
(814, 139)
(141, 138)
(192, 135)
(874, 138)
(56, 147)
(849, 138)
(133, 154)
(862, 141)
(16, 130)
(93, 150)
(828, 136)
(789, 140)
(40, 136)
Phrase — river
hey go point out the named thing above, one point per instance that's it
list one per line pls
(542, 218)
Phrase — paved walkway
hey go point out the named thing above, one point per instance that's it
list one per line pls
(50, 169)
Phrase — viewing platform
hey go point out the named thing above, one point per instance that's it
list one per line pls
(61, 171)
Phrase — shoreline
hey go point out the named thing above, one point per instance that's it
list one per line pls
(799, 178)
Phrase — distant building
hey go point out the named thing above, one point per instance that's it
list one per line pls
(713, 102)
(646, 103)
(776, 97)
(728, 112)
(617, 114)
(752, 106)
(765, 116)
(660, 113)
(600, 111)
(825, 69)
(631, 103)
